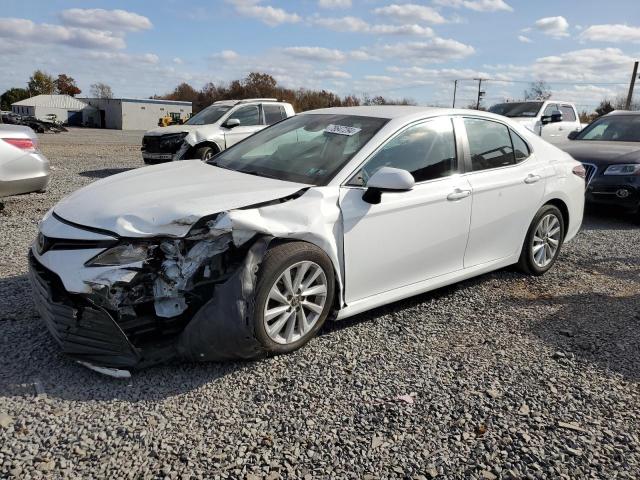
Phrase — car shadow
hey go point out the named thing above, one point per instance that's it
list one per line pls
(31, 361)
(602, 218)
(103, 172)
(609, 339)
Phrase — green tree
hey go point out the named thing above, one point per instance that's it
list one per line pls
(66, 85)
(41, 83)
(12, 95)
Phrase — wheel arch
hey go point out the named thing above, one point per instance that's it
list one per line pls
(205, 143)
(564, 209)
(338, 290)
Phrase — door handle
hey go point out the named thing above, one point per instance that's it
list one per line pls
(531, 178)
(458, 194)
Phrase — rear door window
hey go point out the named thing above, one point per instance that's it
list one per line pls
(489, 144)
(273, 113)
(568, 115)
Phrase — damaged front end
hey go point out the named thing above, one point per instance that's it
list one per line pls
(149, 296)
(126, 302)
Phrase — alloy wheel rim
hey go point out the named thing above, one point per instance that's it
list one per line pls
(208, 155)
(295, 302)
(546, 240)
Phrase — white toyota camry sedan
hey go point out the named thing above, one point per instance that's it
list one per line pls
(322, 215)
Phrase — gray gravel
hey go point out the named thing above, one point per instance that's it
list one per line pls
(503, 376)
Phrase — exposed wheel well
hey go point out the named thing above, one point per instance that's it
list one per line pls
(337, 292)
(556, 202)
(193, 149)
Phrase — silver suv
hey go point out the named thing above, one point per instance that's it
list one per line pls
(213, 129)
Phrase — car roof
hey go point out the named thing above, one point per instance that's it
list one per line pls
(16, 131)
(401, 112)
(623, 112)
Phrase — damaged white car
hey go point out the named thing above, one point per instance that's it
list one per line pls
(213, 129)
(323, 215)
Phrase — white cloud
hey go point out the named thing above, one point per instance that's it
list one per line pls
(19, 29)
(379, 78)
(343, 24)
(524, 39)
(477, 5)
(321, 54)
(358, 25)
(410, 12)
(433, 51)
(334, 74)
(266, 14)
(591, 64)
(334, 3)
(226, 55)
(100, 19)
(611, 33)
(124, 58)
(553, 26)
(178, 61)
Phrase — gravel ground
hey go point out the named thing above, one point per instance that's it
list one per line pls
(503, 376)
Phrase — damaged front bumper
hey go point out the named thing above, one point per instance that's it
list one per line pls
(120, 327)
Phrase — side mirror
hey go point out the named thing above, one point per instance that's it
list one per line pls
(231, 123)
(573, 135)
(387, 179)
(555, 117)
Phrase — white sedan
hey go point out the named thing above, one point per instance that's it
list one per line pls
(322, 215)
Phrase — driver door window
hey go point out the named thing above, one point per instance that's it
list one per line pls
(248, 116)
(427, 151)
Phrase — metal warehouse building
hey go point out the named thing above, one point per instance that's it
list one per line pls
(66, 109)
(135, 113)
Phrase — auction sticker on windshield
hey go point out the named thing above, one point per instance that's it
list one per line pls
(342, 130)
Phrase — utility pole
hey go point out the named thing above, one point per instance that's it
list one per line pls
(480, 92)
(631, 86)
(455, 88)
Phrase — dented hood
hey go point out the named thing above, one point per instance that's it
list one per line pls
(167, 199)
(156, 132)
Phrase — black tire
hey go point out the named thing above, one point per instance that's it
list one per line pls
(277, 259)
(526, 262)
(206, 153)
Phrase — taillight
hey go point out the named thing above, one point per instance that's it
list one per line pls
(580, 171)
(22, 143)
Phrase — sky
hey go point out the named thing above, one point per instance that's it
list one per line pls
(584, 49)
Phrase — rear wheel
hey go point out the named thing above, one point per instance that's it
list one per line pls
(294, 296)
(543, 241)
(206, 153)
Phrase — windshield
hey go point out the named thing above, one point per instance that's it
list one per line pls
(209, 115)
(617, 128)
(517, 109)
(306, 148)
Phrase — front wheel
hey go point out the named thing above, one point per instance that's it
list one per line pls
(294, 296)
(543, 241)
(205, 153)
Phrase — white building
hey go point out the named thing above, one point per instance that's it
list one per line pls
(65, 108)
(136, 113)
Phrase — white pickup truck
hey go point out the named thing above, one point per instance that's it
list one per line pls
(553, 120)
(213, 129)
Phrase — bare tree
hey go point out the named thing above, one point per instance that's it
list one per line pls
(101, 90)
(538, 90)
